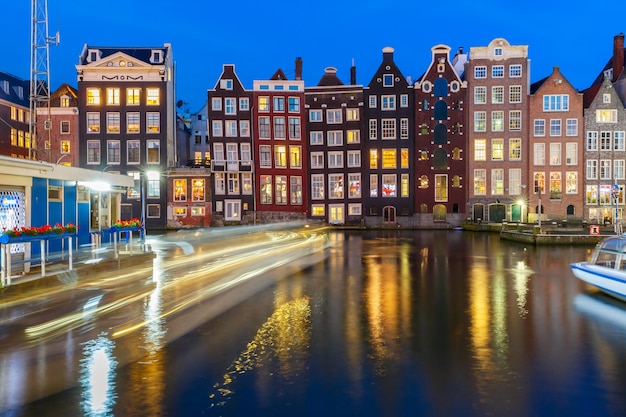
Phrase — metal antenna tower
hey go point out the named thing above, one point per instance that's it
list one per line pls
(39, 70)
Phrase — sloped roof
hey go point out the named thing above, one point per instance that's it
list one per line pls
(11, 93)
(329, 78)
(140, 53)
(278, 75)
(590, 94)
(537, 84)
(64, 90)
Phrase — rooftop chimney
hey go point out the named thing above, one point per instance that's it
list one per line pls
(353, 73)
(618, 56)
(298, 68)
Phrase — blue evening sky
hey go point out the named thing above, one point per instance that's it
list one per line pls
(260, 37)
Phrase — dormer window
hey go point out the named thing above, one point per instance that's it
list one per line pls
(20, 91)
(5, 87)
(65, 101)
(497, 51)
(157, 57)
(93, 55)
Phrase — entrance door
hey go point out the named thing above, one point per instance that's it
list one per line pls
(389, 214)
(336, 214)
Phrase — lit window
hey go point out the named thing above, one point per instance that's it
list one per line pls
(132, 96)
(132, 122)
(152, 97)
(264, 104)
(113, 122)
(113, 96)
(93, 96)
(389, 158)
(93, 122)
(153, 122)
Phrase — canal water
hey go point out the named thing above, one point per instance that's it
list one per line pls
(391, 323)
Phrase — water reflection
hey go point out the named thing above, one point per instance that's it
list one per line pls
(97, 377)
(283, 338)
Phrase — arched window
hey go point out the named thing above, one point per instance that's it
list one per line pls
(440, 160)
(389, 214)
(456, 181)
(425, 104)
(423, 208)
(441, 87)
(441, 110)
(423, 182)
(456, 154)
(439, 213)
(441, 134)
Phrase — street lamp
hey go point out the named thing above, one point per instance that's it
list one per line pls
(540, 187)
(616, 223)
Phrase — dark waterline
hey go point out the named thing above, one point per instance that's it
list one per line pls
(392, 324)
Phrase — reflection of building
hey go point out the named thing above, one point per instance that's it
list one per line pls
(14, 116)
(334, 122)
(127, 123)
(498, 79)
(555, 151)
(388, 167)
(441, 147)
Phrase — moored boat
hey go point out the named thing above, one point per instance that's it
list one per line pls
(607, 268)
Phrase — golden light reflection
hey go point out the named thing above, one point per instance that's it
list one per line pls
(285, 336)
(388, 291)
(480, 315)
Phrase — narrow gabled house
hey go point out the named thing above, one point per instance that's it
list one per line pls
(605, 153)
(188, 189)
(229, 118)
(128, 126)
(498, 84)
(556, 149)
(335, 131)
(61, 136)
(389, 143)
(279, 148)
(15, 112)
(440, 141)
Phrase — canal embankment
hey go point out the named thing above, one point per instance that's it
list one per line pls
(546, 234)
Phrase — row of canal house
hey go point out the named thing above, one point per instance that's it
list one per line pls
(472, 137)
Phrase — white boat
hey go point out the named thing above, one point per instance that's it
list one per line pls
(607, 268)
